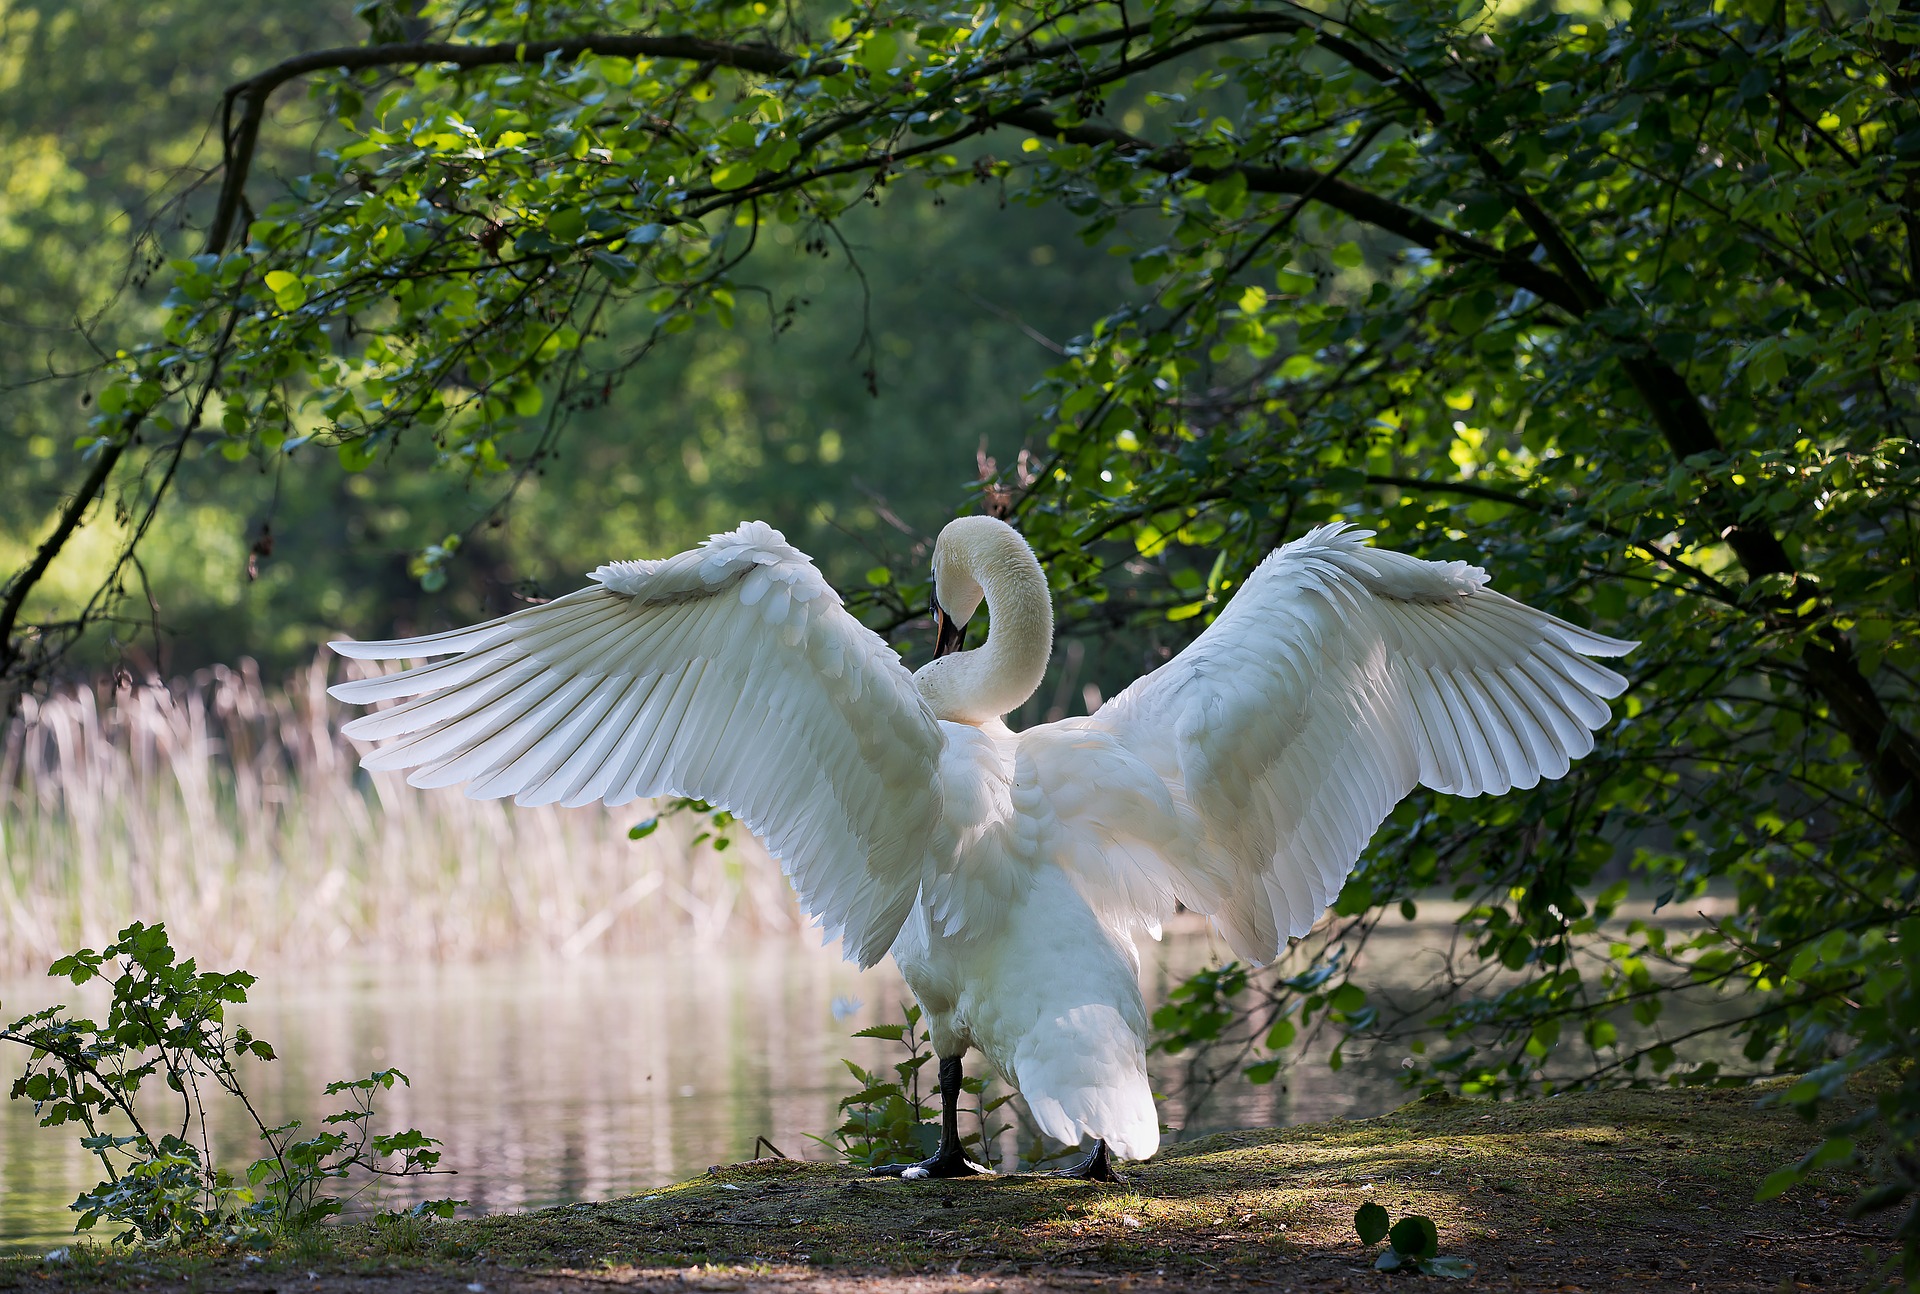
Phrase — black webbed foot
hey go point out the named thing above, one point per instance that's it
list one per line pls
(940, 1165)
(949, 1160)
(1096, 1167)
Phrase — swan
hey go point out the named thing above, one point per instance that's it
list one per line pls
(1007, 872)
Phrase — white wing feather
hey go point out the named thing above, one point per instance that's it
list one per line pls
(1337, 679)
(730, 673)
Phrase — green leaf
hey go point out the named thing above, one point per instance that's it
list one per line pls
(1355, 897)
(616, 269)
(1415, 1236)
(1880, 1198)
(356, 455)
(1149, 269)
(870, 1095)
(1370, 1222)
(878, 52)
(1228, 194)
(1348, 998)
(289, 292)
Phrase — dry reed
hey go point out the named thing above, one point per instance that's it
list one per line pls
(240, 817)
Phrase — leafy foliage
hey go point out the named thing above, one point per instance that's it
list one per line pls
(1623, 306)
(167, 1021)
(717, 832)
(271, 556)
(894, 1120)
(1413, 1244)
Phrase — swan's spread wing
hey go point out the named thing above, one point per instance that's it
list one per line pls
(1337, 679)
(730, 673)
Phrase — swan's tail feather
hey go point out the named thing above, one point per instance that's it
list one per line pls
(1084, 1075)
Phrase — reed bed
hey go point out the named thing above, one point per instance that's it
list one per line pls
(239, 815)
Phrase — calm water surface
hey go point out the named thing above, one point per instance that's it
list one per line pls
(584, 1080)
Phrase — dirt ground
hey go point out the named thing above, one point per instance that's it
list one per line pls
(1597, 1192)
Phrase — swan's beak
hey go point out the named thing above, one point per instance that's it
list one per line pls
(947, 634)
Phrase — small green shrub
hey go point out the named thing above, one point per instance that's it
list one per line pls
(404, 1233)
(167, 1021)
(897, 1120)
(1413, 1244)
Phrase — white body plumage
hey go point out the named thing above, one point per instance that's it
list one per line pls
(1007, 872)
(1006, 954)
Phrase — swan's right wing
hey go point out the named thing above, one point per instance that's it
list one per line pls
(731, 674)
(1338, 678)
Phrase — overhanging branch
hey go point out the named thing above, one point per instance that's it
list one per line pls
(1562, 281)
(1370, 208)
(23, 582)
(252, 94)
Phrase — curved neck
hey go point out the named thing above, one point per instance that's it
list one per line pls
(997, 677)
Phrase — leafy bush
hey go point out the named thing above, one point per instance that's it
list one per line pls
(897, 1120)
(167, 1021)
(1413, 1244)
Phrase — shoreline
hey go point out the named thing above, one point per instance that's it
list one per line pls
(1595, 1191)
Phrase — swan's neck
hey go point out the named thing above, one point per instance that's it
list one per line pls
(997, 677)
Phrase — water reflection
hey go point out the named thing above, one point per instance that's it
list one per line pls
(553, 1082)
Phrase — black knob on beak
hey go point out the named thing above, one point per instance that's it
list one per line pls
(947, 633)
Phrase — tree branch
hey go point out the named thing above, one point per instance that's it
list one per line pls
(1471, 490)
(1892, 755)
(1384, 213)
(24, 581)
(252, 94)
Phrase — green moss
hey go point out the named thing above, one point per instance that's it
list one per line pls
(1584, 1177)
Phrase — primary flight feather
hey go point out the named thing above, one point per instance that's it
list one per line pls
(1007, 872)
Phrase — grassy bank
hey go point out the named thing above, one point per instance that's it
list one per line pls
(1606, 1191)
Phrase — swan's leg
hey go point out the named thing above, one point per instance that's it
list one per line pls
(948, 1161)
(1096, 1167)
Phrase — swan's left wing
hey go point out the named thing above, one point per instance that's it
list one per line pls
(1338, 678)
(731, 674)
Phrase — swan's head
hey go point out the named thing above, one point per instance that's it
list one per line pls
(964, 552)
(975, 559)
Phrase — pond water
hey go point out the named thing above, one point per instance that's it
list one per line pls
(555, 1082)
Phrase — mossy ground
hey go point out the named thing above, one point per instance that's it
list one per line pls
(1603, 1191)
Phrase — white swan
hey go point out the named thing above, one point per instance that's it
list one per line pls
(1007, 871)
